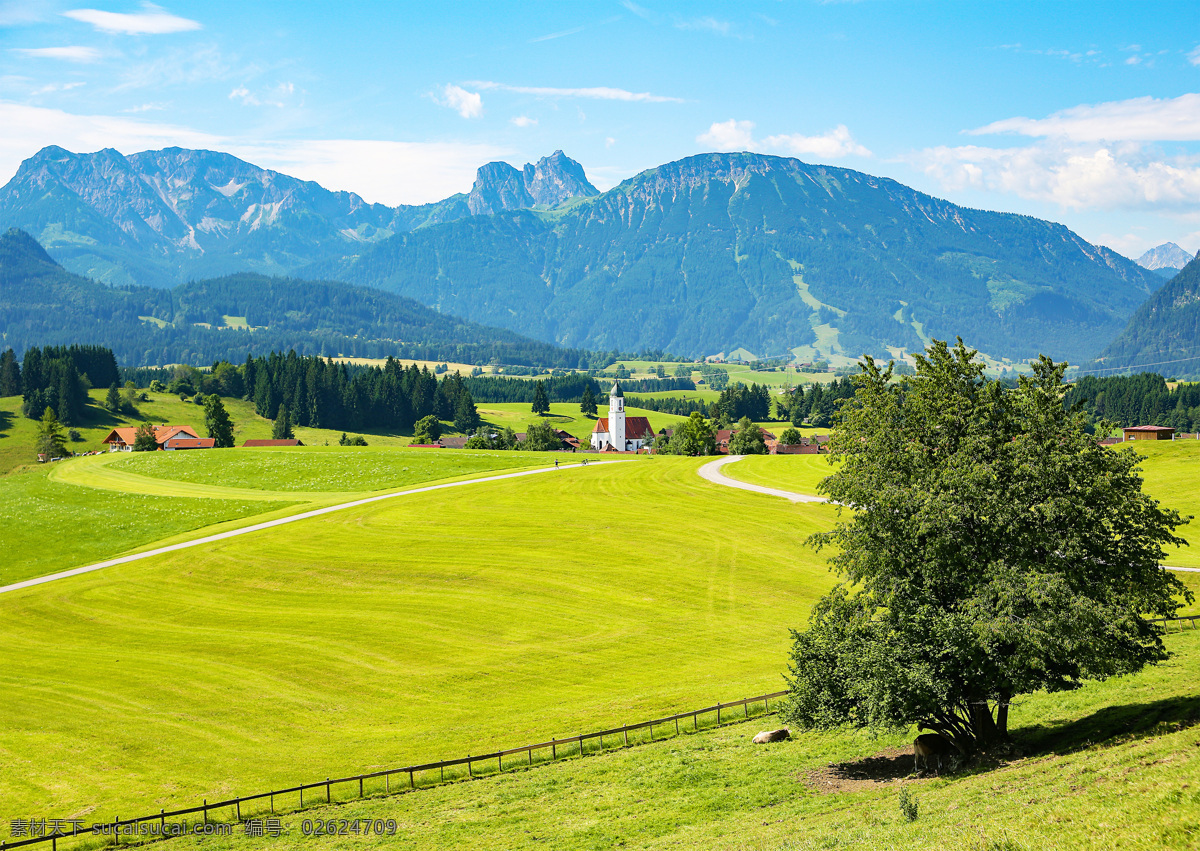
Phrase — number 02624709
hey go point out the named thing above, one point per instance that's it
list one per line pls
(348, 827)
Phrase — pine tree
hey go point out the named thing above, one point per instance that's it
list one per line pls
(144, 439)
(112, 401)
(10, 375)
(588, 404)
(50, 440)
(216, 420)
(282, 430)
(541, 404)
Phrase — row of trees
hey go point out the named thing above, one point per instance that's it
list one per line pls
(57, 377)
(1144, 399)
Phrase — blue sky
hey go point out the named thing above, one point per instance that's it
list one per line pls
(1084, 113)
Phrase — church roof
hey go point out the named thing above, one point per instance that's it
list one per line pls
(636, 428)
(616, 391)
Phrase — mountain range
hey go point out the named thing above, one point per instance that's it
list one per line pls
(232, 316)
(1166, 259)
(699, 256)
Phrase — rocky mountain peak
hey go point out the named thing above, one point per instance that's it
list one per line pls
(1165, 256)
(547, 183)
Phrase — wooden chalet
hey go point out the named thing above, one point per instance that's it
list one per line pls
(168, 438)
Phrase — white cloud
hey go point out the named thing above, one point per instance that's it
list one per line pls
(381, 172)
(592, 93)
(552, 36)
(153, 20)
(836, 143)
(523, 121)
(50, 88)
(72, 53)
(705, 24)
(731, 135)
(609, 141)
(735, 135)
(465, 103)
(147, 107)
(1194, 56)
(1141, 119)
(275, 96)
(1072, 176)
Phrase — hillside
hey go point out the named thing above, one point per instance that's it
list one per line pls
(1164, 331)
(227, 318)
(159, 218)
(771, 254)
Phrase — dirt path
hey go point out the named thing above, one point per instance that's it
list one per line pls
(712, 472)
(269, 524)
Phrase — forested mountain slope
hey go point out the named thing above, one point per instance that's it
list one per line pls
(724, 250)
(229, 317)
(1165, 331)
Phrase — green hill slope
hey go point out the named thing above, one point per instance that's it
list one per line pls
(227, 318)
(719, 251)
(1164, 332)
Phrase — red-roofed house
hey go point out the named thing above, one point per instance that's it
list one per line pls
(167, 437)
(617, 432)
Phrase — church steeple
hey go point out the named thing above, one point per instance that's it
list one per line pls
(616, 391)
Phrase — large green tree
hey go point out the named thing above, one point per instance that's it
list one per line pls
(587, 404)
(990, 548)
(748, 439)
(693, 436)
(144, 439)
(540, 437)
(216, 420)
(282, 427)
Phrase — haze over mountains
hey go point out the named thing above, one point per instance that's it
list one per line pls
(1164, 333)
(699, 256)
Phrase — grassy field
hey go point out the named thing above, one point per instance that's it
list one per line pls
(1113, 765)
(797, 473)
(563, 415)
(404, 630)
(1172, 474)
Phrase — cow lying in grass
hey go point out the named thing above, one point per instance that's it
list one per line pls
(768, 736)
(929, 745)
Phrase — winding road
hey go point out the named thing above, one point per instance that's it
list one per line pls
(268, 524)
(712, 472)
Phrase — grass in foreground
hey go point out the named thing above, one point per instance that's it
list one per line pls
(796, 473)
(1115, 764)
(410, 629)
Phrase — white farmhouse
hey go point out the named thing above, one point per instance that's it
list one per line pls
(617, 432)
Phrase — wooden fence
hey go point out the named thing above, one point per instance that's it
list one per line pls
(411, 777)
(1166, 622)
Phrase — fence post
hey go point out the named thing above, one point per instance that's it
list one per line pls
(412, 783)
(581, 745)
(327, 790)
(695, 723)
(238, 801)
(531, 756)
(301, 797)
(499, 762)
(206, 806)
(676, 725)
(469, 772)
(652, 731)
(746, 709)
(272, 801)
(625, 730)
(360, 787)
(718, 715)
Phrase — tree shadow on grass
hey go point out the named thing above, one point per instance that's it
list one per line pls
(1111, 725)
(6, 421)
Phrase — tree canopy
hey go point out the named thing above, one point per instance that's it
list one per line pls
(990, 548)
(748, 439)
(217, 422)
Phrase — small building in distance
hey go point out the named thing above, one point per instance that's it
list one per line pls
(617, 432)
(272, 442)
(168, 437)
(1149, 432)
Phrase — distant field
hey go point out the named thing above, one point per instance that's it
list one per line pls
(1172, 475)
(409, 629)
(345, 469)
(563, 415)
(1112, 765)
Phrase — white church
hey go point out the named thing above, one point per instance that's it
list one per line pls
(617, 432)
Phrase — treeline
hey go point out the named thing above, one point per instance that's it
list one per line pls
(324, 394)
(1144, 399)
(56, 377)
(816, 406)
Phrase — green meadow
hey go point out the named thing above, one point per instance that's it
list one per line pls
(1113, 765)
(427, 626)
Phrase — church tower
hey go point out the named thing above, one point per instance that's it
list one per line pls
(616, 417)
